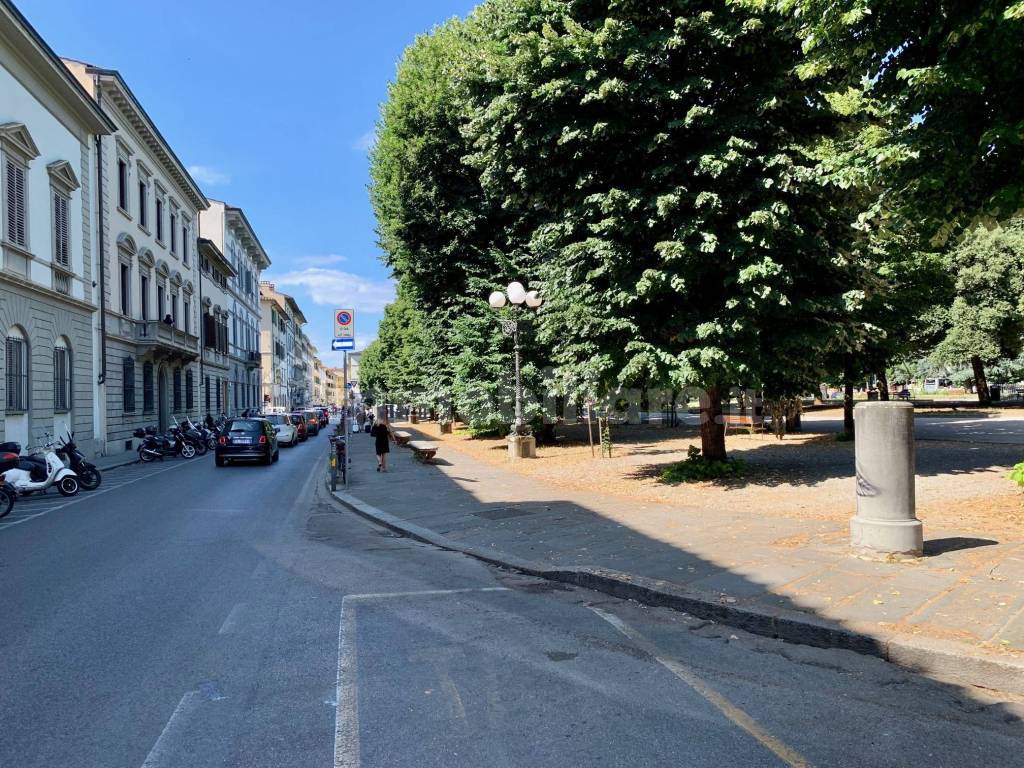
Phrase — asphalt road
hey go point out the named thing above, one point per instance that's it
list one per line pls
(191, 616)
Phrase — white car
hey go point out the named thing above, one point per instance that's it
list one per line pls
(287, 433)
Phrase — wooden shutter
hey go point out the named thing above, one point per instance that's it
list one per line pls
(17, 229)
(13, 360)
(61, 230)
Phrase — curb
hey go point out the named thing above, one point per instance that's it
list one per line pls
(944, 660)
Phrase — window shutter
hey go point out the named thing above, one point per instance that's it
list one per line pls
(11, 373)
(16, 226)
(62, 237)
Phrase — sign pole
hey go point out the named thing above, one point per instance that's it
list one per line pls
(345, 415)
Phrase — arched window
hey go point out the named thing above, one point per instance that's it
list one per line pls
(17, 371)
(62, 376)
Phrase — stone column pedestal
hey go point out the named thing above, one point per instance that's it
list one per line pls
(886, 521)
(522, 447)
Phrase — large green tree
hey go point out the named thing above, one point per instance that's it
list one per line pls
(684, 231)
(940, 80)
(987, 315)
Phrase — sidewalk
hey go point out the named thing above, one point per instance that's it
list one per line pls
(122, 459)
(957, 613)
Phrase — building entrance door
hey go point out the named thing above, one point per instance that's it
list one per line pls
(163, 414)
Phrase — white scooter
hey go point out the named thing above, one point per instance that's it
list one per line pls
(49, 472)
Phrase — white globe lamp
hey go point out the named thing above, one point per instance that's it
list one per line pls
(516, 293)
(497, 299)
(533, 299)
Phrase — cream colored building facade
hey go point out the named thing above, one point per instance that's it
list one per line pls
(49, 128)
(149, 339)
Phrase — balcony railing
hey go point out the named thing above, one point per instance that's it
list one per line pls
(214, 357)
(166, 339)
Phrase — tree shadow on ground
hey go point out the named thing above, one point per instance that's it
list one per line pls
(507, 515)
(935, 547)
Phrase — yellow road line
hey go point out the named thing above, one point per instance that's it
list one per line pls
(736, 715)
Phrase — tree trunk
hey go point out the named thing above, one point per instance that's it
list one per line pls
(712, 430)
(980, 382)
(848, 393)
(883, 384)
(673, 420)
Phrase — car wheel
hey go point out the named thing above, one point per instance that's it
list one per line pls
(219, 461)
(268, 460)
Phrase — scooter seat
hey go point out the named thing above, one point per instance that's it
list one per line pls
(10, 447)
(35, 466)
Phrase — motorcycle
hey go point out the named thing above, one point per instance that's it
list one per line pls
(194, 435)
(8, 460)
(88, 474)
(156, 446)
(34, 474)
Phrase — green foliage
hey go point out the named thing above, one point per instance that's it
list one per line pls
(844, 437)
(939, 81)
(1017, 475)
(987, 315)
(696, 468)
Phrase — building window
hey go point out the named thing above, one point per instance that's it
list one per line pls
(147, 387)
(189, 390)
(128, 385)
(159, 220)
(186, 313)
(122, 184)
(173, 227)
(126, 288)
(206, 388)
(61, 230)
(61, 379)
(177, 389)
(217, 382)
(160, 301)
(174, 309)
(144, 289)
(184, 243)
(143, 204)
(16, 210)
(17, 374)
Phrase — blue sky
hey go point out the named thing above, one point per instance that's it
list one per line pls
(273, 111)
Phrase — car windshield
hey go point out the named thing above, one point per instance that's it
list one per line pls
(277, 419)
(247, 426)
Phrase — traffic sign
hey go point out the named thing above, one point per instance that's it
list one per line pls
(344, 324)
(337, 345)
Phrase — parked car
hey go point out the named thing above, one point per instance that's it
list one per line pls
(248, 439)
(287, 432)
(312, 423)
(298, 418)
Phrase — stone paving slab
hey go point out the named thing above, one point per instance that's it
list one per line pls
(969, 591)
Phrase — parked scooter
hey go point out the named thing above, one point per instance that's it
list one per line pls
(192, 433)
(88, 474)
(32, 475)
(156, 446)
(8, 460)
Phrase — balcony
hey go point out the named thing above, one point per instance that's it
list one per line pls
(212, 356)
(165, 341)
(252, 359)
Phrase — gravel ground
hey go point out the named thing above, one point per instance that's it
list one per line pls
(960, 486)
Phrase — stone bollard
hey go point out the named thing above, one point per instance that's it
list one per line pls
(885, 522)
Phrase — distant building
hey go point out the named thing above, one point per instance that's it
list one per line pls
(281, 321)
(231, 295)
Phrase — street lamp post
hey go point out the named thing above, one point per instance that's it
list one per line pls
(521, 444)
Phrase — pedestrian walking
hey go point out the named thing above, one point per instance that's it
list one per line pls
(361, 418)
(369, 420)
(381, 434)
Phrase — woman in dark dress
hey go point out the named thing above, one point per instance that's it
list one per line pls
(381, 434)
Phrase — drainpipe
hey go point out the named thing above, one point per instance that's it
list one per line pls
(101, 381)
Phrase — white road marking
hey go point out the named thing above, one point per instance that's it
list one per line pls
(736, 715)
(423, 593)
(346, 715)
(346, 696)
(84, 496)
(156, 755)
(231, 620)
